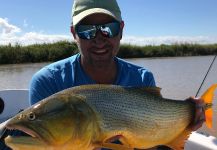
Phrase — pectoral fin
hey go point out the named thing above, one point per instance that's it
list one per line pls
(114, 146)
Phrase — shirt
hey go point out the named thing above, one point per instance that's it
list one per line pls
(69, 73)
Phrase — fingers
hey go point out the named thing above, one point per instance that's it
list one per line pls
(199, 118)
(197, 125)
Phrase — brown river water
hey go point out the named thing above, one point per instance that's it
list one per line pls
(179, 77)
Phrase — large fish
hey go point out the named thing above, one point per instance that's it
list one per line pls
(85, 117)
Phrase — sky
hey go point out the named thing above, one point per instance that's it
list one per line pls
(147, 22)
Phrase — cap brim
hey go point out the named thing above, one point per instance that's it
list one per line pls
(76, 19)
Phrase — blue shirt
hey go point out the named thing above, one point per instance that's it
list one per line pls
(68, 73)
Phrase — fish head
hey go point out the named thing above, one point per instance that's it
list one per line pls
(52, 122)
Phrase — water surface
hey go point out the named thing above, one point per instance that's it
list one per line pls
(179, 77)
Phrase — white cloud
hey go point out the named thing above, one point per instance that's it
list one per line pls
(11, 34)
(6, 28)
(33, 38)
(133, 40)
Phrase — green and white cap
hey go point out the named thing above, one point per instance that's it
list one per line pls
(84, 8)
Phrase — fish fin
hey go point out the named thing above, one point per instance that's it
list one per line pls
(120, 138)
(208, 98)
(179, 142)
(112, 146)
(124, 141)
(152, 90)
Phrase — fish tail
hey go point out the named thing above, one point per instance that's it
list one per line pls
(208, 98)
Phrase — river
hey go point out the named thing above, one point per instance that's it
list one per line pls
(179, 77)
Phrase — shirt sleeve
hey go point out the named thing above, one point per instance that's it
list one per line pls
(42, 85)
(150, 79)
(147, 78)
(132, 75)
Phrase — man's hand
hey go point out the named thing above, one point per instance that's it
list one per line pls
(199, 118)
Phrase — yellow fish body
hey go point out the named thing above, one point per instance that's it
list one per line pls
(85, 117)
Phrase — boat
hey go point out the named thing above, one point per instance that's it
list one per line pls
(16, 100)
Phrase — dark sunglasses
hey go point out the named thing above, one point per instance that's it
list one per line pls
(88, 32)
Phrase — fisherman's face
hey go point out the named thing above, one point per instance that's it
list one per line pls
(99, 50)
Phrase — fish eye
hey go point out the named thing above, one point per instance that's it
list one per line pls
(31, 116)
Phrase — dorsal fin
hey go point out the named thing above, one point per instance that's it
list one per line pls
(152, 90)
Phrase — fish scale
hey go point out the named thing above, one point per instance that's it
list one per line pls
(122, 109)
(85, 117)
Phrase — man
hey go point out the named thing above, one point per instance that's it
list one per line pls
(97, 28)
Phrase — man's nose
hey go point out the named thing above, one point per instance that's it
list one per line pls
(99, 37)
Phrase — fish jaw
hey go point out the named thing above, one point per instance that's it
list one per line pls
(46, 130)
(25, 143)
(32, 140)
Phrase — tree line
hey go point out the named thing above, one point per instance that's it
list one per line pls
(14, 54)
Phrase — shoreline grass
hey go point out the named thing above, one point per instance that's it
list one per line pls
(56, 51)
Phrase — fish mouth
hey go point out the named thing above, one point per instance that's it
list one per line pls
(28, 131)
(31, 137)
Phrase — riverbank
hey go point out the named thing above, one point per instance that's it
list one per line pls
(14, 54)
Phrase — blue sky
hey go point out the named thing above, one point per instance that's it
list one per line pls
(146, 21)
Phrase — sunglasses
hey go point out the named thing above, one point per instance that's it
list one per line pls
(88, 32)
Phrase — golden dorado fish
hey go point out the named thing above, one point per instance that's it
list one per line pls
(85, 117)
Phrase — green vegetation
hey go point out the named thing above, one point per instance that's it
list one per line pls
(36, 53)
(52, 52)
(130, 51)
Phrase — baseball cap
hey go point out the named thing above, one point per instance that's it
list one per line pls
(84, 8)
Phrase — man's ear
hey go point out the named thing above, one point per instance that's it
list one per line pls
(122, 28)
(73, 31)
